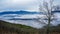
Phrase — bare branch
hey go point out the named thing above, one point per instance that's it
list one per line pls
(40, 21)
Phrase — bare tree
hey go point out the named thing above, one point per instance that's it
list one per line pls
(46, 7)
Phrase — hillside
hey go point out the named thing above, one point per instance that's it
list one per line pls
(7, 28)
(52, 29)
(11, 28)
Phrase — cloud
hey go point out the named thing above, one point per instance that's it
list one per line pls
(32, 5)
(31, 23)
(19, 4)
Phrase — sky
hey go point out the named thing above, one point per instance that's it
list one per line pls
(31, 5)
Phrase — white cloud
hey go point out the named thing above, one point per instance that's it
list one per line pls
(31, 23)
(19, 5)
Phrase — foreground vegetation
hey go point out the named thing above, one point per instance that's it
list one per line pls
(11, 28)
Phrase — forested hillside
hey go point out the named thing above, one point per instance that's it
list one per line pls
(9, 28)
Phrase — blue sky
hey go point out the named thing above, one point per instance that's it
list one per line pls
(32, 5)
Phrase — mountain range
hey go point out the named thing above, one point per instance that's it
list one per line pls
(21, 12)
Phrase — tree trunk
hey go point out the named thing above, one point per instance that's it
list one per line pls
(48, 26)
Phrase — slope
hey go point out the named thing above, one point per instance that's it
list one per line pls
(7, 28)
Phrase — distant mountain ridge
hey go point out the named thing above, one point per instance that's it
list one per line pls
(22, 12)
(18, 12)
(55, 11)
(23, 19)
